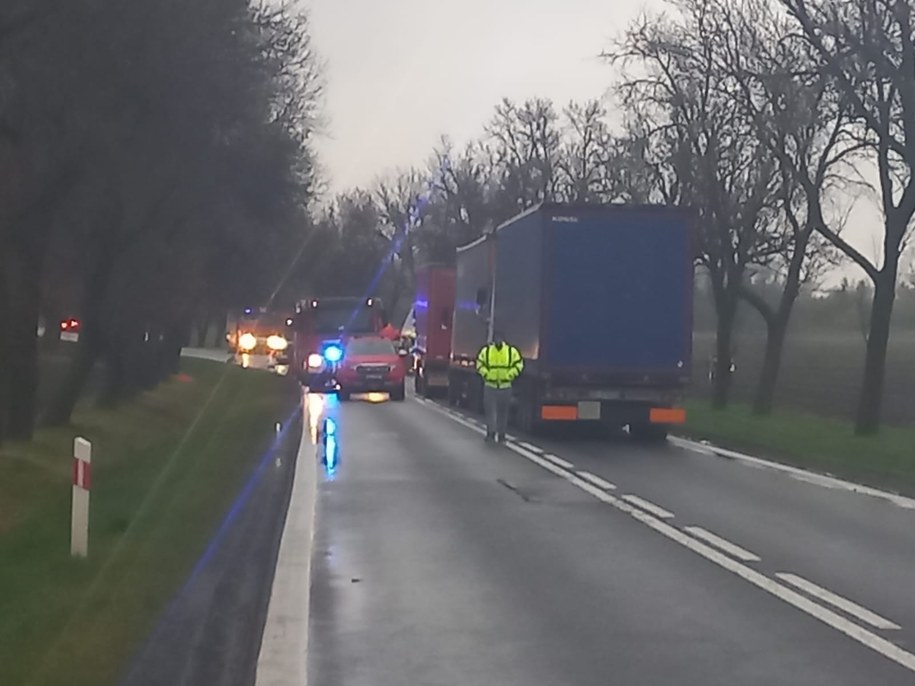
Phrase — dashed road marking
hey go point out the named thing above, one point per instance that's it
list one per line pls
(722, 544)
(648, 506)
(528, 446)
(596, 480)
(853, 631)
(838, 601)
(558, 461)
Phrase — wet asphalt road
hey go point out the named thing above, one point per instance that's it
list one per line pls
(441, 561)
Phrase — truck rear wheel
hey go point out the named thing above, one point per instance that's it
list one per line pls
(649, 433)
(526, 415)
(452, 392)
(475, 395)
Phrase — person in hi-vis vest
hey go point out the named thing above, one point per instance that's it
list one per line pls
(499, 364)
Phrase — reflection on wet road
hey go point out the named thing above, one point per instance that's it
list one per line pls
(322, 414)
(320, 418)
(439, 559)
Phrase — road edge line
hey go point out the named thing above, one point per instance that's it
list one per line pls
(283, 655)
(807, 475)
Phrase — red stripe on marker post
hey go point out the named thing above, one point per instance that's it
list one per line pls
(82, 474)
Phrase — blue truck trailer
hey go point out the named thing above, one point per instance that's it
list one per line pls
(599, 301)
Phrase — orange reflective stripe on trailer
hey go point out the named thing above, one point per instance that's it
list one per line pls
(559, 413)
(667, 415)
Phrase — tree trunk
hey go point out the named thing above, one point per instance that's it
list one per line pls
(61, 407)
(150, 361)
(114, 381)
(89, 348)
(726, 310)
(871, 399)
(203, 328)
(170, 352)
(724, 336)
(776, 331)
(4, 359)
(23, 287)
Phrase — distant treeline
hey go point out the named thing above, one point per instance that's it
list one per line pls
(842, 309)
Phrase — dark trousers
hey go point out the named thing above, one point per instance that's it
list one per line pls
(497, 403)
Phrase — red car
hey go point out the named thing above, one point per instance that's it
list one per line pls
(372, 364)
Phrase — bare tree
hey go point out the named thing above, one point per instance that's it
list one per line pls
(524, 143)
(867, 48)
(583, 153)
(686, 105)
(401, 199)
(461, 207)
(802, 122)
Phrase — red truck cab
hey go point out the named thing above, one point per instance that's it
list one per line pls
(433, 310)
(321, 328)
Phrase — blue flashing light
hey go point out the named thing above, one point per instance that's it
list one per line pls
(333, 353)
(330, 456)
(248, 310)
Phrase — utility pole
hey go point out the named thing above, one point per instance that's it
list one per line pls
(491, 240)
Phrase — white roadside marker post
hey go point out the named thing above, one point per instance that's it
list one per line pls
(82, 481)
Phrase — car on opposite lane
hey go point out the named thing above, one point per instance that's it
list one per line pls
(372, 364)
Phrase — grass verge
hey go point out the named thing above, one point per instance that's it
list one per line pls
(165, 469)
(826, 445)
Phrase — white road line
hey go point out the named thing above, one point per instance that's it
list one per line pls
(722, 544)
(838, 601)
(648, 506)
(558, 460)
(816, 481)
(596, 480)
(803, 474)
(854, 631)
(282, 660)
(532, 448)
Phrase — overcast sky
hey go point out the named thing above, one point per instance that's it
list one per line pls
(400, 73)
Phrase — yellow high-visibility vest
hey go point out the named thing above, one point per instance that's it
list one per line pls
(499, 366)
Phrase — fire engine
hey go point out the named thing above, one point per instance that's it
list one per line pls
(321, 329)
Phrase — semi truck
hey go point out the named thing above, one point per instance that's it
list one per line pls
(433, 311)
(598, 299)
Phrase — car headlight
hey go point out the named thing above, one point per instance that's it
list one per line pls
(247, 341)
(277, 343)
(315, 362)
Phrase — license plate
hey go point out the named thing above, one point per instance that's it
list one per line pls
(374, 377)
